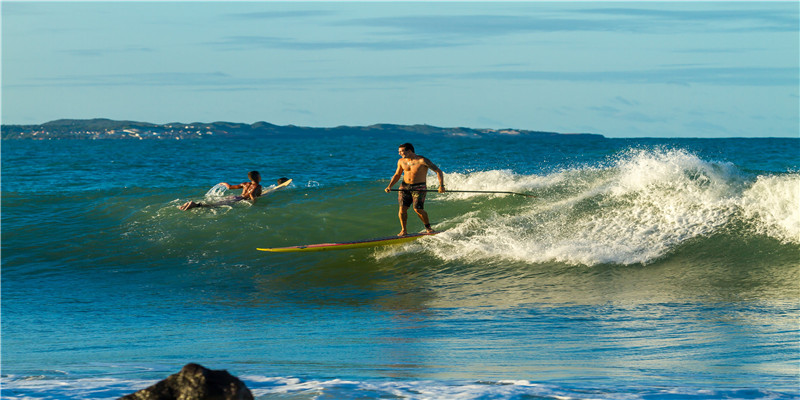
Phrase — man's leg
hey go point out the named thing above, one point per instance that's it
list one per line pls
(192, 204)
(188, 205)
(423, 215)
(403, 214)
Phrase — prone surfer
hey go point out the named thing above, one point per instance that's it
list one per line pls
(250, 191)
(413, 169)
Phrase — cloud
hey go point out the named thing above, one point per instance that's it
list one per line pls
(282, 14)
(777, 18)
(737, 76)
(102, 52)
(272, 42)
(481, 24)
(20, 8)
(724, 76)
(713, 17)
(469, 25)
(627, 102)
(403, 33)
(136, 79)
(606, 110)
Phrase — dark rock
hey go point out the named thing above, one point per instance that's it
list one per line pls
(195, 382)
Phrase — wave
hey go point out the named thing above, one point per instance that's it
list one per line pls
(633, 209)
(772, 203)
(637, 207)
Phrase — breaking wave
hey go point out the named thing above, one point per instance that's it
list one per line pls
(633, 209)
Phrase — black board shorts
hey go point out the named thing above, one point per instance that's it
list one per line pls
(412, 194)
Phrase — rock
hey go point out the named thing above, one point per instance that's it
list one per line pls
(195, 382)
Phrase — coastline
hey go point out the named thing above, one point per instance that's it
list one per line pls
(101, 128)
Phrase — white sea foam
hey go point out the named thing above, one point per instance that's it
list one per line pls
(15, 387)
(264, 387)
(216, 192)
(772, 204)
(634, 210)
(337, 388)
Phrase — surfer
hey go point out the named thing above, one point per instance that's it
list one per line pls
(413, 168)
(250, 191)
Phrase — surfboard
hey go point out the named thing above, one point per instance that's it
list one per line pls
(383, 241)
(272, 189)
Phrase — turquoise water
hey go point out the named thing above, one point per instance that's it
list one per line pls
(642, 269)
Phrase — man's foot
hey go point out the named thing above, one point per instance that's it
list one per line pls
(402, 233)
(429, 230)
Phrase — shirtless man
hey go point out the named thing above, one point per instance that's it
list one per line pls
(250, 191)
(414, 170)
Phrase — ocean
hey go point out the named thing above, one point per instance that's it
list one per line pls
(641, 269)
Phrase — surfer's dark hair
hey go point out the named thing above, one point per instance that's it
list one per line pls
(253, 174)
(408, 146)
(281, 180)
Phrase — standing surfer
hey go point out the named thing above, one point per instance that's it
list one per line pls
(413, 169)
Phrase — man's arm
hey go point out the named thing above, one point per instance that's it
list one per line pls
(239, 186)
(395, 177)
(439, 173)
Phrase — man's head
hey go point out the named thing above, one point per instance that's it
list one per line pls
(254, 176)
(406, 150)
(407, 146)
(281, 180)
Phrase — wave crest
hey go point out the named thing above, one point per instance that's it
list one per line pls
(635, 209)
(772, 205)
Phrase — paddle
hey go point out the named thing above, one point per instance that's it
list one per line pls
(462, 191)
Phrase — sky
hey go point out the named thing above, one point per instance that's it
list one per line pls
(621, 69)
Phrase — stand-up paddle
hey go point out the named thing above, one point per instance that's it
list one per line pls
(462, 191)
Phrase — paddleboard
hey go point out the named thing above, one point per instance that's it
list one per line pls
(384, 241)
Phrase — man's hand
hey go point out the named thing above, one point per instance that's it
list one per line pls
(388, 189)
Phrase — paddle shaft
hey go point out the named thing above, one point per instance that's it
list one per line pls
(461, 191)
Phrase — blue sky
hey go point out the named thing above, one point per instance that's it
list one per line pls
(622, 69)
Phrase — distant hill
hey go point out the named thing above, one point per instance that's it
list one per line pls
(101, 128)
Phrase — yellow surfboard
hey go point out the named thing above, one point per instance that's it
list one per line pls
(384, 241)
(272, 189)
